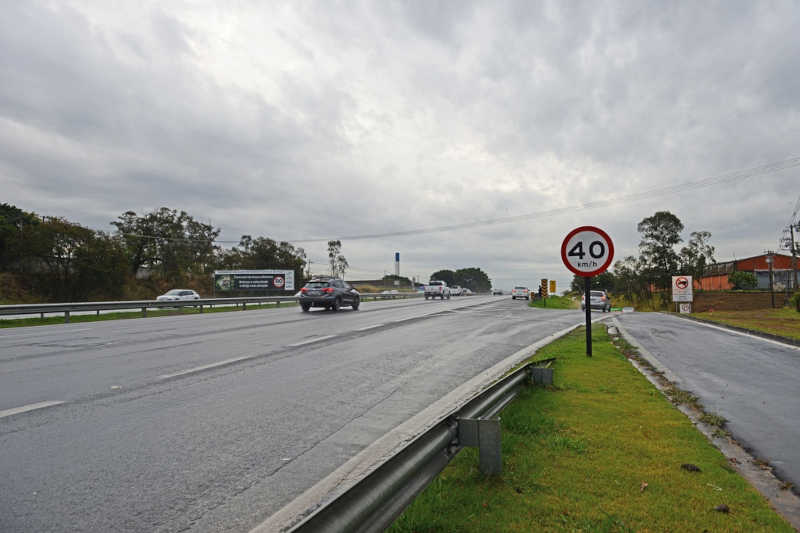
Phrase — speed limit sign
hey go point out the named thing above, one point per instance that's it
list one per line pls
(587, 251)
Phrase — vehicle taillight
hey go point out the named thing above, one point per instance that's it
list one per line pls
(327, 290)
(304, 290)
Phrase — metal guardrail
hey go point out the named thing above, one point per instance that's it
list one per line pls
(372, 504)
(144, 305)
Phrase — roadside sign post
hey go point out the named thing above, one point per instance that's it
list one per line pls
(587, 251)
(682, 293)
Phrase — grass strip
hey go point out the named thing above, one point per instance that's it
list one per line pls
(784, 322)
(556, 302)
(125, 315)
(602, 450)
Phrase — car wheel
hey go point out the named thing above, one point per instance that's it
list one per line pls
(356, 303)
(305, 307)
(426, 296)
(336, 305)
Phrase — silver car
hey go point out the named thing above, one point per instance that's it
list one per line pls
(598, 300)
(176, 295)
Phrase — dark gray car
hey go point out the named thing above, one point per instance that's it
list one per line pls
(330, 293)
(599, 300)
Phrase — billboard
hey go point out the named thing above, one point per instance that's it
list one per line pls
(253, 280)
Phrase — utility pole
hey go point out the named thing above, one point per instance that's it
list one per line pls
(794, 253)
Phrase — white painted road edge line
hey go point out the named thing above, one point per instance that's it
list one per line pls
(377, 453)
(26, 408)
(206, 367)
(310, 341)
(373, 326)
(742, 333)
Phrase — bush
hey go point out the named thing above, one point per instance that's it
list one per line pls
(743, 280)
(795, 301)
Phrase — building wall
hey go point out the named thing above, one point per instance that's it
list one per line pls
(735, 301)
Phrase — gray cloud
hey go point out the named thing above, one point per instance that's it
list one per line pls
(312, 120)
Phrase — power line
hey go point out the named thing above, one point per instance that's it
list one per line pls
(680, 188)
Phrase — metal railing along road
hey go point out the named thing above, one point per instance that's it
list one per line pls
(373, 503)
(144, 305)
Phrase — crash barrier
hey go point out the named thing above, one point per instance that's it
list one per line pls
(144, 305)
(372, 504)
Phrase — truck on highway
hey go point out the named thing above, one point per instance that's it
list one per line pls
(437, 289)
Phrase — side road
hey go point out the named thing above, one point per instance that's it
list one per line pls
(748, 380)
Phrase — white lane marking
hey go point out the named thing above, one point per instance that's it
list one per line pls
(26, 408)
(310, 341)
(206, 367)
(373, 326)
(742, 333)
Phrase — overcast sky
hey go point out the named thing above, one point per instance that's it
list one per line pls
(309, 120)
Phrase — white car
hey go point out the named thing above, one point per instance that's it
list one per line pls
(520, 292)
(176, 295)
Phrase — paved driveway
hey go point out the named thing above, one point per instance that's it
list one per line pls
(752, 382)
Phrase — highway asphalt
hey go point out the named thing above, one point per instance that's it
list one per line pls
(213, 422)
(752, 382)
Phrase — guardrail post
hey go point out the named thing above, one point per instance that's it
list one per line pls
(483, 433)
(201, 308)
(278, 303)
(66, 317)
(144, 311)
(244, 306)
(541, 375)
(98, 312)
(41, 315)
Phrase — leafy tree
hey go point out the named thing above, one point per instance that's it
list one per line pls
(743, 280)
(660, 233)
(603, 281)
(697, 254)
(339, 264)
(264, 253)
(472, 278)
(448, 276)
(170, 242)
(13, 249)
(628, 279)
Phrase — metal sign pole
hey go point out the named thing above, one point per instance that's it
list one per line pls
(588, 300)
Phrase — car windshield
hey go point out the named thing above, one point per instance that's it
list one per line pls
(436, 282)
(520, 288)
(175, 292)
(316, 284)
(598, 293)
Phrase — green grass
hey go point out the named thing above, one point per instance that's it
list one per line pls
(784, 322)
(124, 315)
(577, 456)
(556, 302)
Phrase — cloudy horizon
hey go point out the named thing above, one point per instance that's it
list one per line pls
(310, 120)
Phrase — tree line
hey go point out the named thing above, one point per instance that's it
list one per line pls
(472, 278)
(44, 258)
(658, 260)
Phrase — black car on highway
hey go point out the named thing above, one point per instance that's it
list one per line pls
(330, 293)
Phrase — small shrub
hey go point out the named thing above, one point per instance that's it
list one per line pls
(743, 280)
(795, 301)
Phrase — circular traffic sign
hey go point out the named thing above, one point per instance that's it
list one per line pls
(587, 251)
(682, 282)
(278, 282)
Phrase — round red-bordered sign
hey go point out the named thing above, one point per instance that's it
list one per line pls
(593, 249)
(278, 282)
(682, 282)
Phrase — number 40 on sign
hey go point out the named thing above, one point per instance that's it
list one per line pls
(587, 251)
